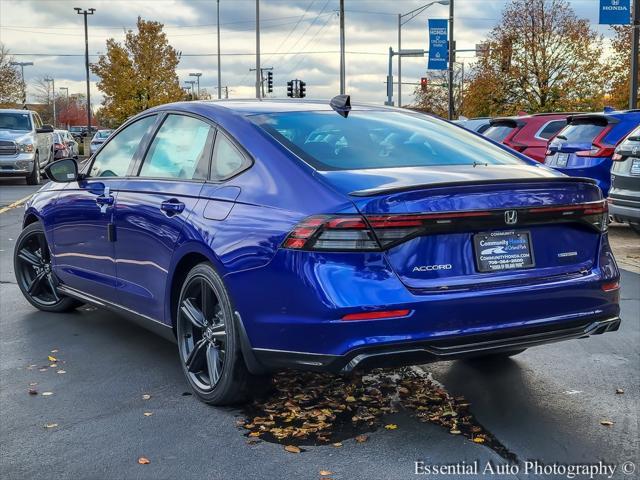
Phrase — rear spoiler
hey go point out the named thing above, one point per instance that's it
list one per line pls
(501, 181)
(593, 117)
(516, 122)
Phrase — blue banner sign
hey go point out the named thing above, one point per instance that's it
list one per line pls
(438, 45)
(615, 12)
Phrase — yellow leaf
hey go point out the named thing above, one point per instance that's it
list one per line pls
(350, 398)
(478, 440)
(454, 431)
(391, 426)
(292, 449)
(143, 461)
(254, 434)
(337, 444)
(52, 359)
(324, 473)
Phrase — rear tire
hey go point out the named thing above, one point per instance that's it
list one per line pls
(34, 177)
(32, 266)
(209, 342)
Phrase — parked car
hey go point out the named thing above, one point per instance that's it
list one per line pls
(64, 145)
(271, 234)
(77, 132)
(527, 134)
(624, 195)
(26, 145)
(585, 146)
(479, 124)
(98, 139)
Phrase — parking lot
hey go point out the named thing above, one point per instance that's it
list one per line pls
(89, 415)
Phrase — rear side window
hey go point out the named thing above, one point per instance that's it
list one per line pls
(114, 158)
(180, 149)
(378, 139)
(499, 132)
(227, 159)
(551, 129)
(483, 128)
(581, 132)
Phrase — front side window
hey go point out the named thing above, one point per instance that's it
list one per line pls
(378, 139)
(114, 159)
(181, 149)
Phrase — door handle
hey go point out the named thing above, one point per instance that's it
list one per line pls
(172, 206)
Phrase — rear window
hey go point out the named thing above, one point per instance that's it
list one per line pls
(499, 132)
(581, 132)
(378, 139)
(551, 128)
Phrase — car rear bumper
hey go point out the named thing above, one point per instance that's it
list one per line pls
(447, 348)
(599, 170)
(625, 209)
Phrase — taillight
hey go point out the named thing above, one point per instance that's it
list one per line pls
(329, 232)
(594, 213)
(598, 147)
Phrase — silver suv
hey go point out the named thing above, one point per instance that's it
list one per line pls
(26, 145)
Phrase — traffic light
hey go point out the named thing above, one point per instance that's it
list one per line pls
(269, 82)
(424, 82)
(290, 88)
(303, 89)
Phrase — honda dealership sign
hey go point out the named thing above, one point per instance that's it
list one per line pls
(615, 12)
(438, 45)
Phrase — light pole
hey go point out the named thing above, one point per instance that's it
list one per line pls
(24, 84)
(635, 46)
(401, 21)
(452, 60)
(66, 90)
(191, 84)
(197, 75)
(219, 68)
(342, 59)
(79, 11)
(258, 70)
(53, 89)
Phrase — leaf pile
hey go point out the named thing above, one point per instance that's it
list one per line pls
(308, 408)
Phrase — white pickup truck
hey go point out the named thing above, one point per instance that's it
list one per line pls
(26, 145)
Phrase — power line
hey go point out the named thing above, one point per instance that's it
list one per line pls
(292, 30)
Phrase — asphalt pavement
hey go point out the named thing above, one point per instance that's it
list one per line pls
(545, 405)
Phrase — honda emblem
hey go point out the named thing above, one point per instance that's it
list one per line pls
(511, 217)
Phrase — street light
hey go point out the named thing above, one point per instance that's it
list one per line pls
(79, 11)
(197, 75)
(401, 21)
(24, 85)
(53, 89)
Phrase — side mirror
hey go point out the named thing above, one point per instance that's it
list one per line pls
(62, 171)
(45, 129)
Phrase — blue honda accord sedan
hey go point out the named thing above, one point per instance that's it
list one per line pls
(319, 235)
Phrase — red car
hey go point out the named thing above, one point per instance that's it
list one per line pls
(528, 134)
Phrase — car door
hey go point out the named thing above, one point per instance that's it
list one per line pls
(153, 208)
(41, 140)
(83, 238)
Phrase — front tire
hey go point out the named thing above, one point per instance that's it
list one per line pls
(34, 177)
(208, 340)
(35, 277)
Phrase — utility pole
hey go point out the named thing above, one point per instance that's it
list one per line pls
(24, 84)
(219, 68)
(191, 84)
(197, 75)
(342, 59)
(66, 89)
(258, 71)
(261, 77)
(635, 47)
(79, 11)
(53, 90)
(452, 59)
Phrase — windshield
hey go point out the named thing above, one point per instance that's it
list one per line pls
(580, 132)
(378, 139)
(498, 132)
(15, 121)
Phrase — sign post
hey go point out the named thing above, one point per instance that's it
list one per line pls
(438, 45)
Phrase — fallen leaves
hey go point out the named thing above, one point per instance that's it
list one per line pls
(52, 359)
(391, 426)
(292, 449)
(325, 473)
(606, 423)
(144, 461)
(619, 391)
(147, 414)
(47, 394)
(362, 438)
(146, 396)
(50, 425)
(61, 372)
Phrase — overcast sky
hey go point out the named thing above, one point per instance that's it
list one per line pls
(300, 39)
